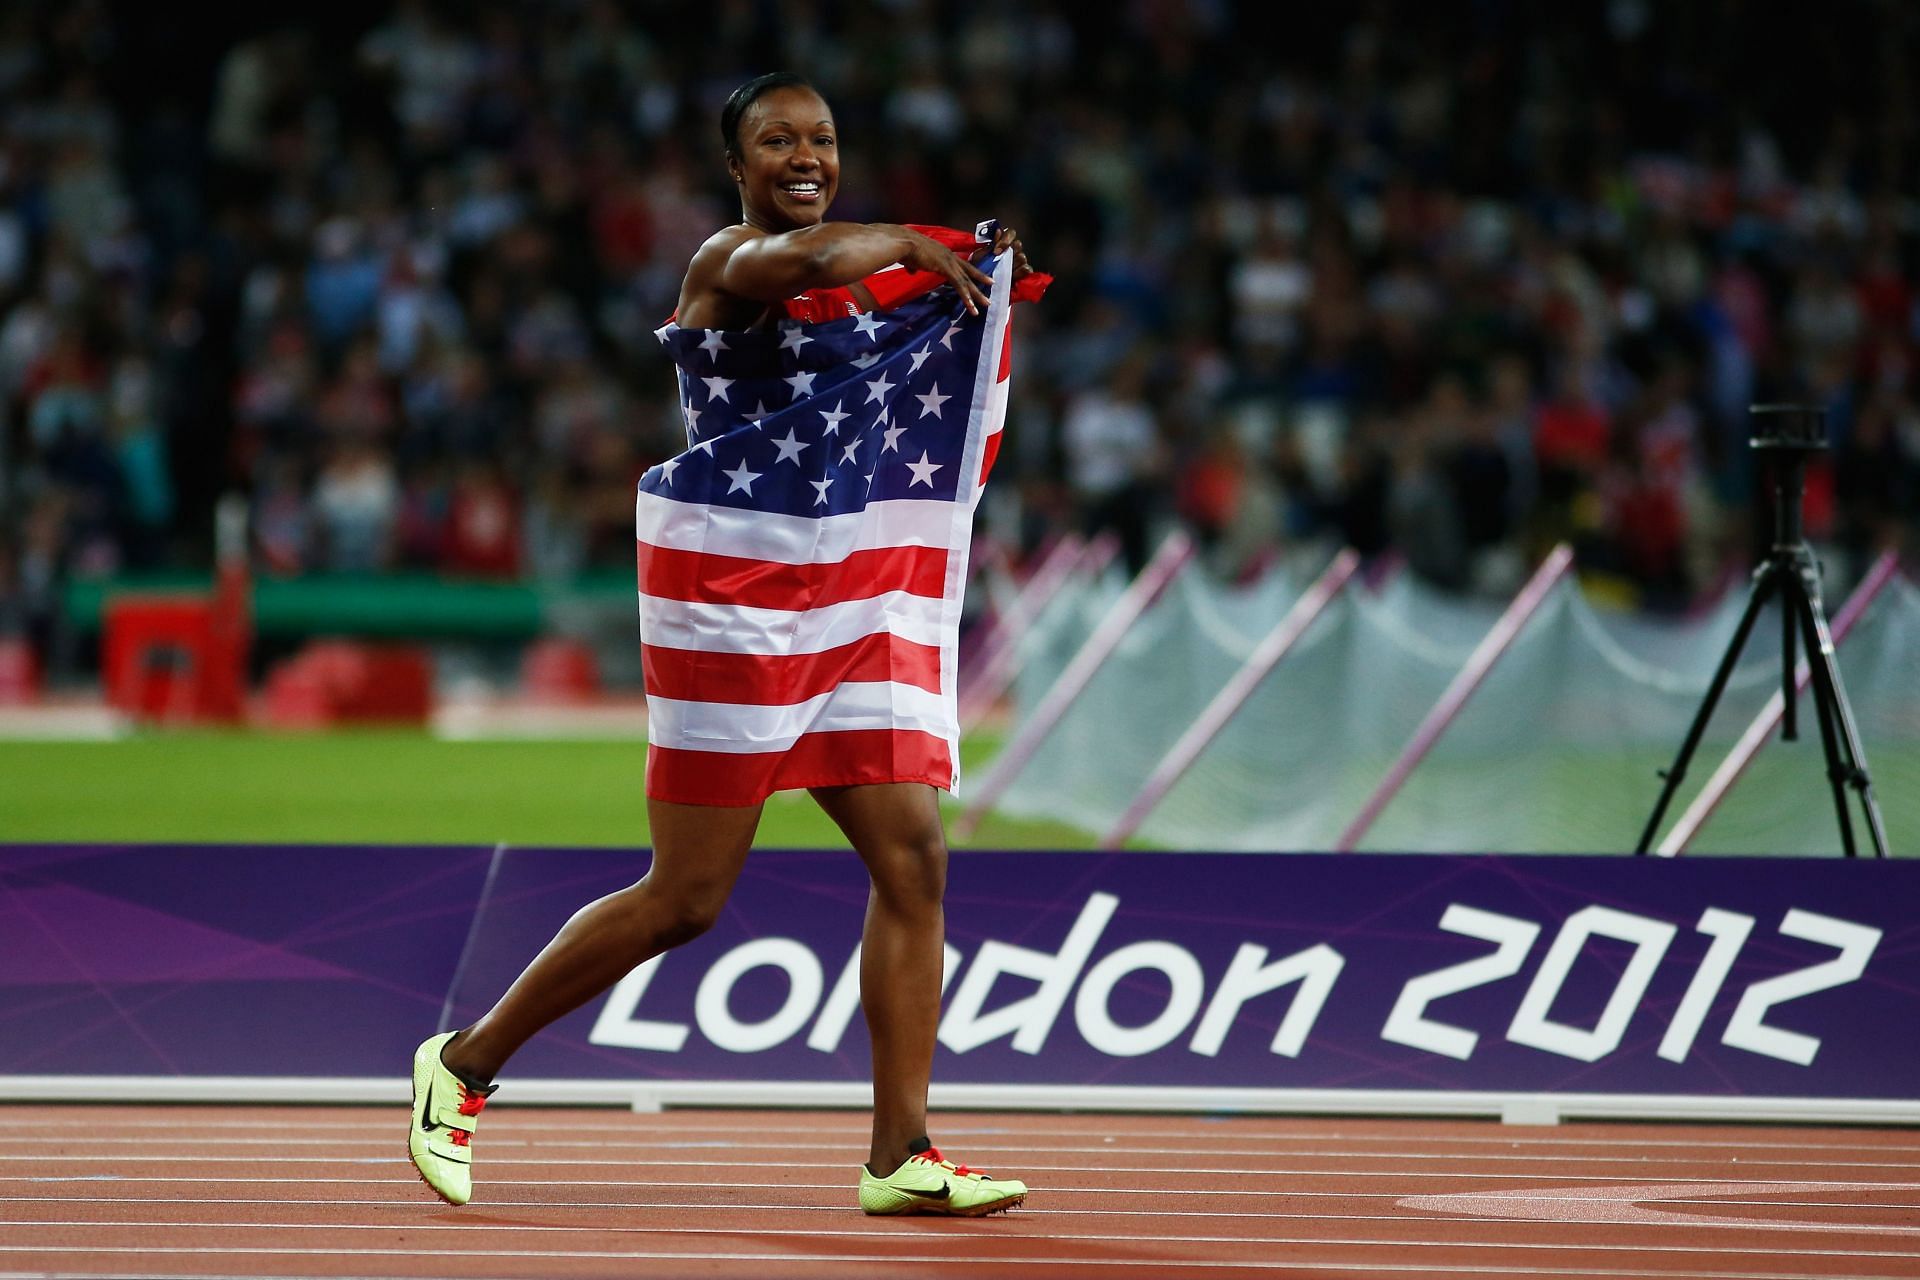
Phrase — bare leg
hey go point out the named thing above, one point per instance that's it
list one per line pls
(895, 828)
(698, 851)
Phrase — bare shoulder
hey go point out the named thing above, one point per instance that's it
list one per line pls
(703, 303)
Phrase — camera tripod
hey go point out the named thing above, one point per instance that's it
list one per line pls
(1789, 433)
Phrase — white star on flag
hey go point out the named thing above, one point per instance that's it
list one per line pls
(867, 361)
(820, 490)
(922, 471)
(667, 469)
(713, 344)
(893, 435)
(846, 455)
(717, 388)
(877, 390)
(802, 384)
(705, 446)
(693, 416)
(834, 418)
(743, 479)
(930, 403)
(794, 339)
(946, 339)
(789, 448)
(920, 358)
(869, 324)
(760, 411)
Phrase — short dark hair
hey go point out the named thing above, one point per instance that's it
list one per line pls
(749, 93)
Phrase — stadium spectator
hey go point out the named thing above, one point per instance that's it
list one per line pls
(1480, 282)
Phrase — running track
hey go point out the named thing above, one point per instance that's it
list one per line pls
(314, 1191)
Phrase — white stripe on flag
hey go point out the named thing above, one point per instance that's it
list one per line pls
(741, 729)
(732, 628)
(763, 535)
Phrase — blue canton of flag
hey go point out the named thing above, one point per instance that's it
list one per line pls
(822, 419)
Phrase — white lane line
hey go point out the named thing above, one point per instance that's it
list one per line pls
(898, 1260)
(1629, 1206)
(713, 1206)
(509, 1117)
(495, 1141)
(889, 1233)
(841, 1186)
(1158, 1170)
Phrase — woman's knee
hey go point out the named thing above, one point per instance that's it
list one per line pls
(910, 873)
(683, 911)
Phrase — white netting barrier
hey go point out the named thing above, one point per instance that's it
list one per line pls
(1557, 751)
(1169, 665)
(1061, 624)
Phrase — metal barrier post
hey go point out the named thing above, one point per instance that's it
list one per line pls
(1497, 641)
(1233, 695)
(1167, 562)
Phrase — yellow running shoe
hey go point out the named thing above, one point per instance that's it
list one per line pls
(930, 1183)
(444, 1112)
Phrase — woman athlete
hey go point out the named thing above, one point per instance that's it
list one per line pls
(781, 150)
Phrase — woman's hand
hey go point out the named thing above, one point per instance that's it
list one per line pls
(1007, 238)
(969, 281)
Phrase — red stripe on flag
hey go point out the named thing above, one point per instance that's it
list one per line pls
(989, 450)
(849, 758)
(1006, 356)
(694, 675)
(670, 574)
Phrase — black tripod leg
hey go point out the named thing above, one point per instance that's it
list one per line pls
(1789, 691)
(1831, 697)
(1764, 585)
(1799, 607)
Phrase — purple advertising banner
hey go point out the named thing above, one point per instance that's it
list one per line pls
(1786, 978)
(225, 960)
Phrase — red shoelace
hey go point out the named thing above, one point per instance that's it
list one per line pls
(932, 1156)
(471, 1104)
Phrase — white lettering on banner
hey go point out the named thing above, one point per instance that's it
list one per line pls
(1747, 1029)
(1408, 1023)
(616, 1024)
(1729, 930)
(1031, 1018)
(804, 981)
(1095, 1020)
(1027, 1020)
(1532, 1026)
(1249, 975)
(838, 1011)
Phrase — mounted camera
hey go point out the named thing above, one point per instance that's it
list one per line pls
(1797, 428)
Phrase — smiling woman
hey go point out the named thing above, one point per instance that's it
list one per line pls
(782, 150)
(808, 640)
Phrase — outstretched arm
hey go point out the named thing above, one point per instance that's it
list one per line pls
(737, 266)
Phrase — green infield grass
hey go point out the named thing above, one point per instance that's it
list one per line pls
(388, 787)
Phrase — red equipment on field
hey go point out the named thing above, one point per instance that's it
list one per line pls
(558, 669)
(183, 656)
(334, 682)
(19, 672)
(178, 657)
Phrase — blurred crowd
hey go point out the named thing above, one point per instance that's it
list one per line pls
(1451, 281)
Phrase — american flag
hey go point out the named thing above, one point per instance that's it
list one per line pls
(802, 563)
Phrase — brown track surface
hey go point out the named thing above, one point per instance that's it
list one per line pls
(125, 1191)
